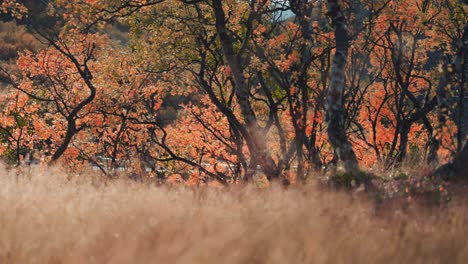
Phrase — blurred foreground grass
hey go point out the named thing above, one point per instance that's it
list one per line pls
(47, 216)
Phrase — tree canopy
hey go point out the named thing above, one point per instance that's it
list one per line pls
(214, 91)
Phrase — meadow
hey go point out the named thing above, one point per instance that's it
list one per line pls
(50, 216)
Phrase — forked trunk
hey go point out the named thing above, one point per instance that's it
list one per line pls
(257, 146)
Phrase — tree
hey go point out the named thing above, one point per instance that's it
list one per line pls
(457, 166)
(257, 80)
(334, 105)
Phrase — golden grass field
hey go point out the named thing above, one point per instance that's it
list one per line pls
(47, 216)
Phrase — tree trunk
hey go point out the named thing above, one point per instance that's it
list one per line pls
(402, 150)
(433, 144)
(461, 66)
(71, 132)
(334, 102)
(456, 167)
(260, 149)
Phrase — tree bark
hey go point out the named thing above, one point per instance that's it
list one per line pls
(334, 101)
(403, 148)
(71, 132)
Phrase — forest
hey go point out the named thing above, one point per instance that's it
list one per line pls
(293, 103)
(198, 92)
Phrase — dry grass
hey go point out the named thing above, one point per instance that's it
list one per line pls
(49, 217)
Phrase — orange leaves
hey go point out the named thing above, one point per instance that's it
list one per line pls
(202, 135)
(315, 119)
(177, 54)
(260, 30)
(24, 60)
(16, 116)
(58, 87)
(157, 105)
(8, 121)
(285, 62)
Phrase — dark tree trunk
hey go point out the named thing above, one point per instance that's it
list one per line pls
(456, 167)
(334, 102)
(402, 150)
(461, 66)
(71, 132)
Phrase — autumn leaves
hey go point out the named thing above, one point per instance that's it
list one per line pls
(260, 84)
